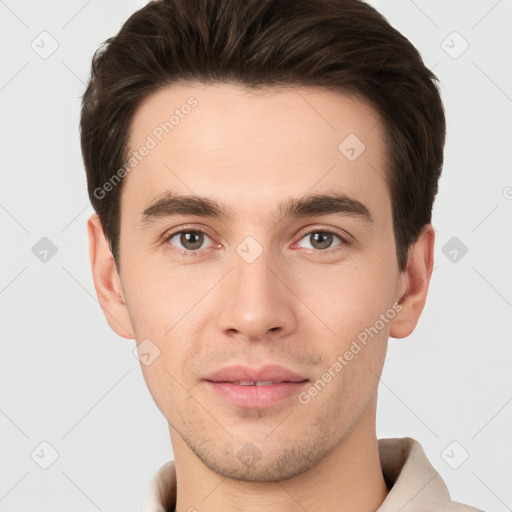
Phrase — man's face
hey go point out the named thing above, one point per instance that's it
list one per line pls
(255, 288)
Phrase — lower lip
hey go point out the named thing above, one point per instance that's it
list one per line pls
(256, 396)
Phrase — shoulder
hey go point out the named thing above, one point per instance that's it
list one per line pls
(415, 485)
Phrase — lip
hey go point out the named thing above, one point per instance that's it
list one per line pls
(274, 373)
(285, 383)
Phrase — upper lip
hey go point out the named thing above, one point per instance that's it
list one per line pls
(274, 373)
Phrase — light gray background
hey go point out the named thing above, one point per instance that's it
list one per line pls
(68, 380)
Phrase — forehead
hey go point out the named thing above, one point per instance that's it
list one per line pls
(254, 148)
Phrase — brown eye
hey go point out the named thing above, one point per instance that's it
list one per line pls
(187, 240)
(321, 240)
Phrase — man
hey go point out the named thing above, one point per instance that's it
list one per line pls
(263, 174)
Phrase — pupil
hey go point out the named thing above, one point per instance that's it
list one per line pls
(324, 238)
(187, 237)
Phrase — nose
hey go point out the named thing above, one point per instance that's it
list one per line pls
(256, 300)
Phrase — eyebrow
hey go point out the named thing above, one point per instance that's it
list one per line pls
(170, 204)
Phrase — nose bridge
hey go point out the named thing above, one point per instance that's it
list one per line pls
(254, 298)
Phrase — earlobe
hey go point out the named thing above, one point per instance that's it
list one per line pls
(107, 283)
(417, 280)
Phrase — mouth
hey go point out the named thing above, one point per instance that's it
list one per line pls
(260, 383)
(246, 386)
(256, 394)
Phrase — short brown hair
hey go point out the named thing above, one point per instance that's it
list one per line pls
(341, 45)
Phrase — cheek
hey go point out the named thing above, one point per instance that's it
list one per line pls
(166, 387)
(161, 298)
(171, 375)
(347, 297)
(163, 308)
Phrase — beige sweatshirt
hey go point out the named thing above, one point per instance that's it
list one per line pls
(415, 485)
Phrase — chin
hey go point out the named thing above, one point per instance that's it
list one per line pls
(249, 464)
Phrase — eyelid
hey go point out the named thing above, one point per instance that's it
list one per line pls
(346, 239)
(184, 229)
(326, 229)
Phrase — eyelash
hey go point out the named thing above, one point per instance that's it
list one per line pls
(190, 253)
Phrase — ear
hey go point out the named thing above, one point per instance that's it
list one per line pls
(415, 283)
(106, 280)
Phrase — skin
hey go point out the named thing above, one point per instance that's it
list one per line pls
(294, 305)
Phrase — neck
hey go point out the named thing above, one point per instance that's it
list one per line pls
(349, 478)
